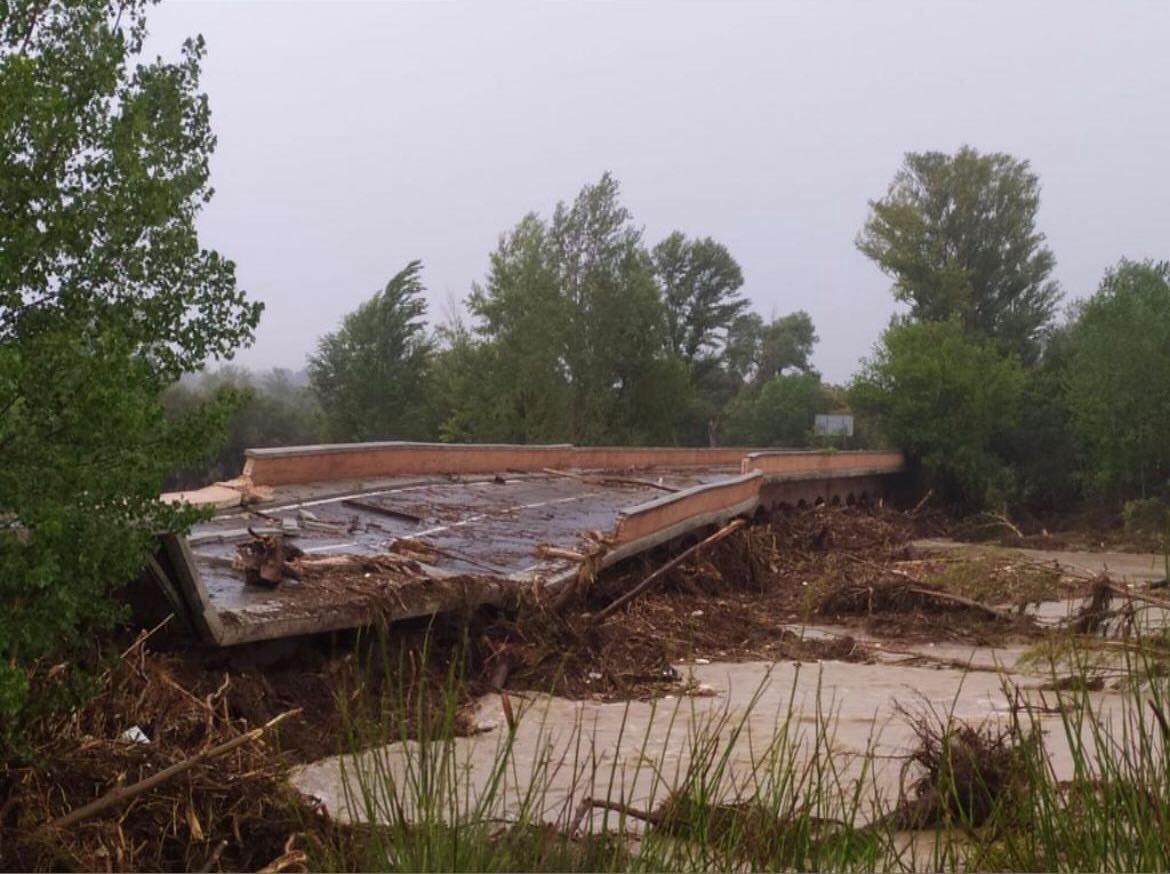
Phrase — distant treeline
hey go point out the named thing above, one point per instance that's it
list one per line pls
(580, 333)
(583, 333)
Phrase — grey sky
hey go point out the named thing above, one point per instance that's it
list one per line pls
(355, 137)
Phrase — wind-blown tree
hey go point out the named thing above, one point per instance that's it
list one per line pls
(370, 375)
(106, 298)
(575, 325)
(700, 283)
(957, 233)
(1117, 381)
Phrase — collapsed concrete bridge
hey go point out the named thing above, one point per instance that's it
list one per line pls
(389, 531)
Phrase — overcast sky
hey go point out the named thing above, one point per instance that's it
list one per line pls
(356, 137)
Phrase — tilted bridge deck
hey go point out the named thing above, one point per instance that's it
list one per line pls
(479, 515)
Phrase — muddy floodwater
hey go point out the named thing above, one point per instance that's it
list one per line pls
(636, 751)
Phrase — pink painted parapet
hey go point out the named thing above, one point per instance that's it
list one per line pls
(305, 464)
(704, 503)
(814, 464)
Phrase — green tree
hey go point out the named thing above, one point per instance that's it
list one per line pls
(757, 351)
(1118, 390)
(370, 375)
(1043, 448)
(576, 327)
(778, 412)
(948, 400)
(273, 409)
(518, 386)
(957, 233)
(106, 298)
(700, 284)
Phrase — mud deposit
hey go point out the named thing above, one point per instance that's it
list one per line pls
(832, 623)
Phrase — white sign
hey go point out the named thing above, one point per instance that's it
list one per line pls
(834, 425)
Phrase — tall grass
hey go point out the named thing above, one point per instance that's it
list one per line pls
(695, 789)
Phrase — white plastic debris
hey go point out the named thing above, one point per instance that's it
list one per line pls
(702, 661)
(696, 613)
(134, 734)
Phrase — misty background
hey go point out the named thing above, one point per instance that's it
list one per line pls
(354, 137)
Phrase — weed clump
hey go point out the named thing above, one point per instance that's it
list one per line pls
(969, 774)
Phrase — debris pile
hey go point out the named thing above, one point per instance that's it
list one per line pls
(149, 776)
(266, 560)
(967, 774)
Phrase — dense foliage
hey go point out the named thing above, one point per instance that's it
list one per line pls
(582, 333)
(958, 235)
(949, 400)
(277, 408)
(105, 299)
(1119, 381)
(579, 333)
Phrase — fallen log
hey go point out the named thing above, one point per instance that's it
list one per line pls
(731, 527)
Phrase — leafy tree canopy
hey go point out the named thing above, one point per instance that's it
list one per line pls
(701, 291)
(106, 297)
(1118, 390)
(576, 327)
(958, 235)
(778, 412)
(947, 399)
(757, 351)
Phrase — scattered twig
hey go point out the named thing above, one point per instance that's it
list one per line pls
(291, 858)
(918, 507)
(965, 602)
(214, 857)
(1002, 520)
(729, 528)
(121, 794)
(617, 480)
(546, 550)
(144, 636)
(1139, 596)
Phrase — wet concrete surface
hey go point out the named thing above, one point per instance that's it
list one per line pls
(637, 750)
(475, 526)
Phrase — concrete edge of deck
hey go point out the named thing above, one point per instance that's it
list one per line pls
(768, 478)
